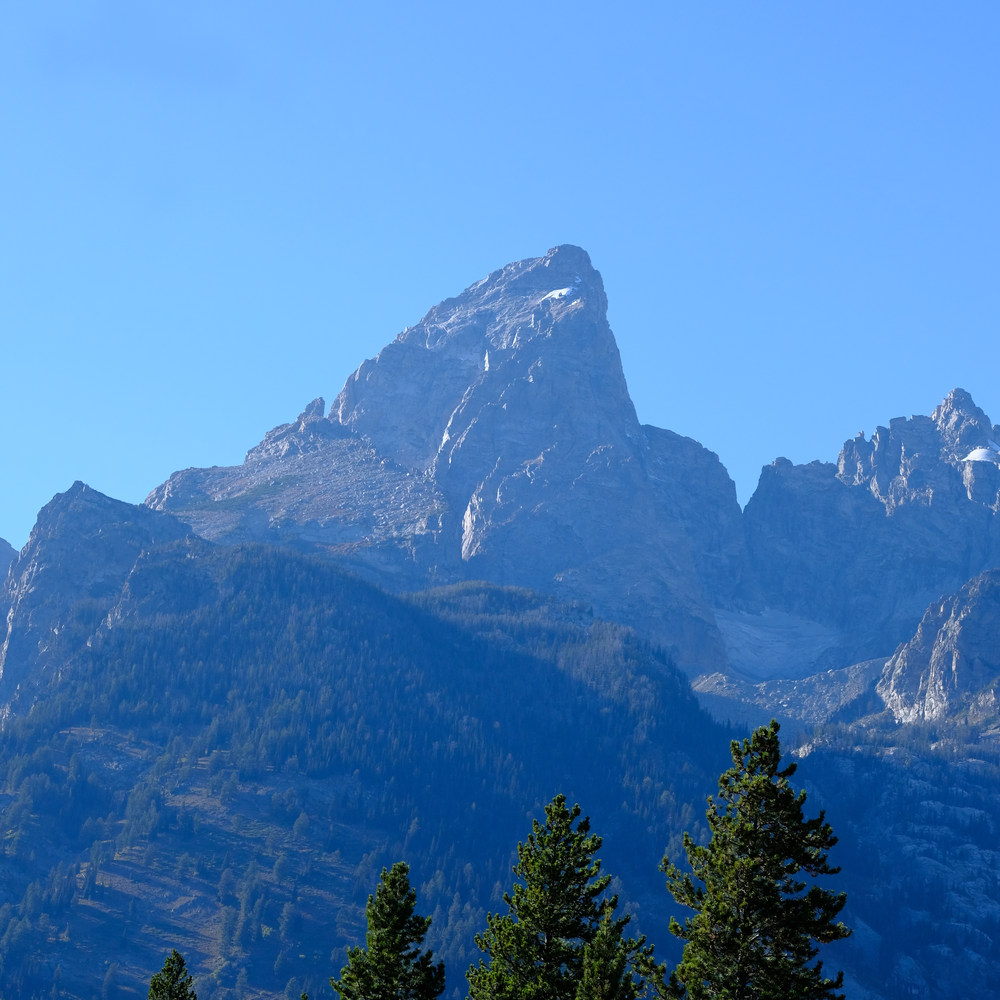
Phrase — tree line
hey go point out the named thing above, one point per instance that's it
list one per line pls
(754, 934)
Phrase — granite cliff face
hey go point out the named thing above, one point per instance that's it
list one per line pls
(863, 546)
(496, 440)
(79, 554)
(951, 667)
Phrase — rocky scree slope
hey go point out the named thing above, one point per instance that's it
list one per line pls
(496, 440)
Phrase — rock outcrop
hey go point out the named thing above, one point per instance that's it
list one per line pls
(865, 545)
(808, 700)
(951, 667)
(79, 554)
(496, 440)
(7, 555)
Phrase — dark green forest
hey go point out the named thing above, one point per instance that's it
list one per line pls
(224, 747)
(254, 733)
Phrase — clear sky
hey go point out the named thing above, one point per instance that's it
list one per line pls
(211, 213)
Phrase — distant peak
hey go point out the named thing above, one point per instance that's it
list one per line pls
(961, 423)
(315, 409)
(568, 254)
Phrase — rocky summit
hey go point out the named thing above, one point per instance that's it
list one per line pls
(861, 547)
(496, 440)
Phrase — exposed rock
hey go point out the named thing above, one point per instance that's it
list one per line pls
(7, 555)
(496, 440)
(865, 545)
(951, 666)
(78, 556)
(809, 700)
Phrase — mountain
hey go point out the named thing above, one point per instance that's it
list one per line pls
(861, 547)
(79, 554)
(7, 555)
(496, 440)
(951, 666)
(401, 625)
(218, 747)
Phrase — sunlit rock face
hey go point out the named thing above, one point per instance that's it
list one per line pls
(952, 665)
(496, 440)
(864, 545)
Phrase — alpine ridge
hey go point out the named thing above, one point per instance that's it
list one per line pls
(403, 624)
(496, 440)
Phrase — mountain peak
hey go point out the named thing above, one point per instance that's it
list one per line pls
(534, 323)
(962, 425)
(495, 439)
(82, 547)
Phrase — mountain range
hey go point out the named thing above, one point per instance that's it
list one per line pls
(406, 621)
(496, 440)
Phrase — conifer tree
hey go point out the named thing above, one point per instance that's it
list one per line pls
(756, 925)
(612, 963)
(390, 966)
(173, 981)
(536, 950)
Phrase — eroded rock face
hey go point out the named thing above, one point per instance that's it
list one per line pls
(865, 545)
(79, 554)
(952, 664)
(496, 440)
(7, 555)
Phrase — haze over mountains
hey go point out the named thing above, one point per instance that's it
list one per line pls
(402, 624)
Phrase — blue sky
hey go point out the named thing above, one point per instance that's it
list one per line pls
(211, 213)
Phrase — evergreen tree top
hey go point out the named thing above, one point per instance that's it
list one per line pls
(756, 924)
(391, 966)
(536, 949)
(173, 981)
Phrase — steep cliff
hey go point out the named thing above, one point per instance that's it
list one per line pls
(79, 554)
(951, 667)
(7, 555)
(496, 440)
(865, 545)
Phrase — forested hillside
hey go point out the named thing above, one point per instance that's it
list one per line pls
(224, 753)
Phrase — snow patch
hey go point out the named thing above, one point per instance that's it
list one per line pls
(983, 455)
